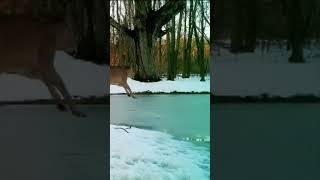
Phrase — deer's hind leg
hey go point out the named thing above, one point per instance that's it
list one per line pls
(55, 80)
(128, 93)
(54, 93)
(128, 90)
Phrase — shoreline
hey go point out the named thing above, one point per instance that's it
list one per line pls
(82, 101)
(262, 99)
(166, 93)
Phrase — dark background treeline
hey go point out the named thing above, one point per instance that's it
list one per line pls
(245, 22)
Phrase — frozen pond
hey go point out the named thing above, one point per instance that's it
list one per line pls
(180, 115)
(40, 142)
(267, 141)
(169, 138)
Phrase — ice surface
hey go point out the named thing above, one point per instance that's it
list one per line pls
(145, 154)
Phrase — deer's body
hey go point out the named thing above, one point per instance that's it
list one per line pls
(119, 77)
(27, 47)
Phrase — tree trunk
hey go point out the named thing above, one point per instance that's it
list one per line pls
(237, 27)
(160, 55)
(184, 71)
(145, 39)
(89, 18)
(145, 43)
(178, 44)
(243, 38)
(202, 68)
(200, 53)
(147, 28)
(168, 43)
(100, 35)
(296, 35)
(172, 57)
(250, 36)
(160, 45)
(86, 48)
(189, 43)
(212, 32)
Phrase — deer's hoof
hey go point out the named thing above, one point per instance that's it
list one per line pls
(78, 114)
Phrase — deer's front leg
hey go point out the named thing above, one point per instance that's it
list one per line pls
(56, 80)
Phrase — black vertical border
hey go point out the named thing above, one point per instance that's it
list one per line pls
(213, 125)
(108, 91)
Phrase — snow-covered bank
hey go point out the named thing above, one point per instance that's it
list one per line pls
(253, 74)
(192, 84)
(274, 79)
(144, 154)
(81, 79)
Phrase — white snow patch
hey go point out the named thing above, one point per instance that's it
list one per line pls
(192, 84)
(145, 154)
(253, 74)
(81, 78)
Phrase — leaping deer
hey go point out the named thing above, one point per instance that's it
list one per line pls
(27, 48)
(119, 77)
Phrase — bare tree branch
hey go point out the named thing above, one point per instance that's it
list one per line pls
(165, 13)
(122, 129)
(207, 39)
(125, 129)
(206, 19)
(121, 27)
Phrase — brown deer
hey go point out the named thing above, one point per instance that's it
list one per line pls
(119, 77)
(27, 48)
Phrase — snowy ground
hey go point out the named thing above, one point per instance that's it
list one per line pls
(253, 74)
(143, 154)
(192, 84)
(80, 77)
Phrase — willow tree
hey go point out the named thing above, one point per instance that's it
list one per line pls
(147, 28)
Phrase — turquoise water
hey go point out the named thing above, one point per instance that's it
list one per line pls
(183, 116)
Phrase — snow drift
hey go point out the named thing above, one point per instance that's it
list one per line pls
(144, 154)
(253, 74)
